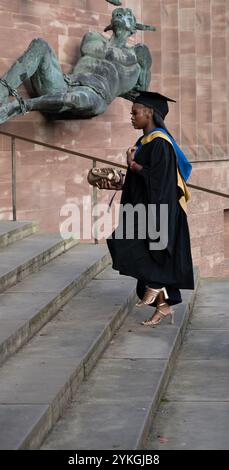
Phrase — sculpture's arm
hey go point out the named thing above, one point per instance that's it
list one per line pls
(145, 61)
(88, 42)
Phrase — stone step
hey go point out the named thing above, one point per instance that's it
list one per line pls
(115, 407)
(29, 255)
(11, 231)
(26, 307)
(38, 382)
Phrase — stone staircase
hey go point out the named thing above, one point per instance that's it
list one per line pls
(60, 317)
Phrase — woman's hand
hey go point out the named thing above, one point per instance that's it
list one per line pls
(130, 159)
(134, 166)
(130, 154)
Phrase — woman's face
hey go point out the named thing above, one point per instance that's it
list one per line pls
(140, 116)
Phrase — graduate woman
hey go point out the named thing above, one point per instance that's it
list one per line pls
(156, 175)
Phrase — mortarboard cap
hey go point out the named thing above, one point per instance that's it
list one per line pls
(154, 100)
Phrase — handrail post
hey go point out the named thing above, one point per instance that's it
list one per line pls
(13, 162)
(95, 199)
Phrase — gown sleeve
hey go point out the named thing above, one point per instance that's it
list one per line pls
(159, 175)
(159, 172)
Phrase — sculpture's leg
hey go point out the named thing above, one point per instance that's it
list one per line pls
(48, 103)
(82, 102)
(39, 63)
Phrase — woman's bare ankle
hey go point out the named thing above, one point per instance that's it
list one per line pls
(164, 307)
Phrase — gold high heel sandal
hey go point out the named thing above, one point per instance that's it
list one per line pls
(150, 296)
(162, 316)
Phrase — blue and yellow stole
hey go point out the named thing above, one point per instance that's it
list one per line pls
(184, 167)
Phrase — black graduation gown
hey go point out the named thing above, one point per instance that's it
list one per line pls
(170, 267)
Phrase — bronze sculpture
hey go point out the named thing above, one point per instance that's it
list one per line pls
(106, 69)
(114, 2)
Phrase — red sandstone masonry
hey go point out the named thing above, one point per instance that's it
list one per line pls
(204, 111)
(169, 14)
(203, 43)
(187, 3)
(203, 16)
(187, 19)
(154, 40)
(170, 40)
(190, 63)
(152, 9)
(187, 42)
(219, 67)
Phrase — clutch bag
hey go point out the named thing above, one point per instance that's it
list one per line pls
(96, 177)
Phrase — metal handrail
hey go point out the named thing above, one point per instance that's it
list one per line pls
(212, 160)
(81, 155)
(61, 149)
(206, 190)
(90, 157)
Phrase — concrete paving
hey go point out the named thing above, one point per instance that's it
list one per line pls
(113, 409)
(194, 412)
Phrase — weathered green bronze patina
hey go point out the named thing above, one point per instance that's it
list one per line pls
(114, 2)
(107, 68)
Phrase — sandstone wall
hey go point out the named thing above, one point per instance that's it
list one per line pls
(190, 64)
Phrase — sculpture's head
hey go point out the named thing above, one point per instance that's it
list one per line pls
(123, 19)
